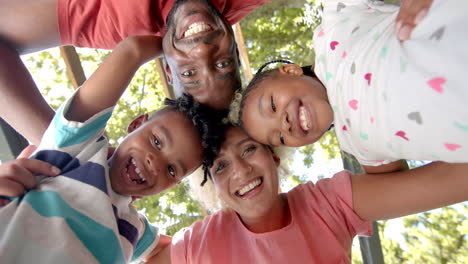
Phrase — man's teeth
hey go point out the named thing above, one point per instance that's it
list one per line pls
(303, 118)
(141, 179)
(197, 28)
(249, 186)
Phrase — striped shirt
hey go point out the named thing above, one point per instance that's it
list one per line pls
(75, 217)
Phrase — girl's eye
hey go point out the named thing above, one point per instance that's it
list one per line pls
(281, 138)
(188, 73)
(249, 149)
(223, 64)
(171, 170)
(220, 166)
(157, 143)
(273, 106)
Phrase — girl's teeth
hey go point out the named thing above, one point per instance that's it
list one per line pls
(249, 186)
(303, 119)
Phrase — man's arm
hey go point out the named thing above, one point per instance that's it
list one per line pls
(104, 88)
(390, 195)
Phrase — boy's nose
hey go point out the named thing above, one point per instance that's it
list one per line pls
(152, 163)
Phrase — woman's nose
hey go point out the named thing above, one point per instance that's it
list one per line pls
(242, 168)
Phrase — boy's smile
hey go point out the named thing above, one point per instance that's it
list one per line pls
(157, 154)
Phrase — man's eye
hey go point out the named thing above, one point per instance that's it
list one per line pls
(223, 64)
(273, 106)
(188, 73)
(157, 143)
(171, 170)
(281, 138)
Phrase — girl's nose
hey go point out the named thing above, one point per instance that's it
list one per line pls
(285, 122)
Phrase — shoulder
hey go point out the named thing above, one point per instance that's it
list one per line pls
(234, 11)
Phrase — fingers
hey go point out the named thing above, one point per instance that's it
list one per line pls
(17, 176)
(411, 13)
(11, 188)
(27, 151)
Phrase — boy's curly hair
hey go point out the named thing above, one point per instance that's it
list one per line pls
(209, 124)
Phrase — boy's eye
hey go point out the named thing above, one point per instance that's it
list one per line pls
(157, 143)
(188, 73)
(171, 170)
(249, 149)
(223, 64)
(273, 106)
(281, 138)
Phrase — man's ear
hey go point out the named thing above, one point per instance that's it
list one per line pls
(291, 69)
(277, 160)
(137, 122)
(168, 71)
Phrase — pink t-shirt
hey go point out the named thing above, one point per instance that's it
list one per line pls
(321, 231)
(104, 23)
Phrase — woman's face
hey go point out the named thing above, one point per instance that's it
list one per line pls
(287, 108)
(245, 174)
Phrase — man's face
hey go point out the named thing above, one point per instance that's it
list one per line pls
(201, 53)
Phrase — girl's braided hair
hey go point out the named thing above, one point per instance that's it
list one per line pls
(209, 124)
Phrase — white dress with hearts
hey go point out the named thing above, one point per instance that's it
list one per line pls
(395, 100)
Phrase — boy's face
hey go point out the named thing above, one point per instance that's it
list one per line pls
(287, 108)
(201, 54)
(157, 155)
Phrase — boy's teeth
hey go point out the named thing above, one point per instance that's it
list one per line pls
(141, 179)
(249, 186)
(196, 28)
(303, 119)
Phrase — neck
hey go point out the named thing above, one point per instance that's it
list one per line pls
(276, 218)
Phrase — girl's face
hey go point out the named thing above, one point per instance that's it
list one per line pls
(245, 175)
(287, 108)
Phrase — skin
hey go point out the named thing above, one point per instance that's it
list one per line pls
(241, 161)
(271, 110)
(375, 196)
(156, 145)
(206, 64)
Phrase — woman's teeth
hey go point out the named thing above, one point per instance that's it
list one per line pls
(197, 28)
(249, 187)
(303, 118)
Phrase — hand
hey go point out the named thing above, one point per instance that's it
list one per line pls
(17, 176)
(412, 12)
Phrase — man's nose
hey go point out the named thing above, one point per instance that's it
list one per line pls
(202, 49)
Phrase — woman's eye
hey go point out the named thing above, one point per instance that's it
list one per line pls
(188, 73)
(220, 166)
(273, 106)
(157, 143)
(281, 138)
(171, 170)
(249, 149)
(223, 64)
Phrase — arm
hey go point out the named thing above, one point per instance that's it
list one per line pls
(104, 88)
(390, 195)
(395, 166)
